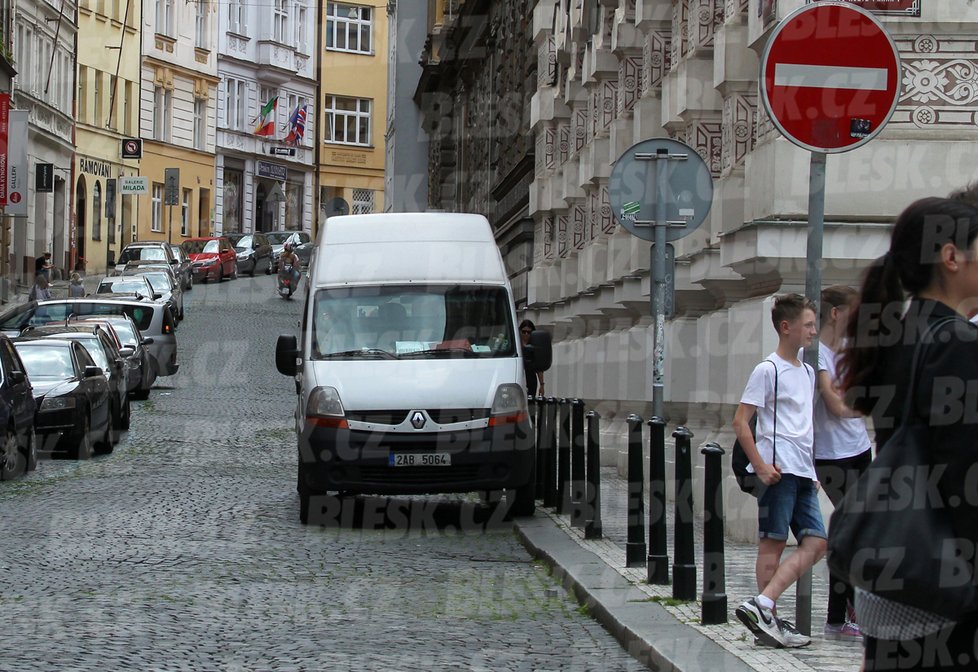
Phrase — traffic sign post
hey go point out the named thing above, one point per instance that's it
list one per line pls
(171, 197)
(830, 81)
(660, 190)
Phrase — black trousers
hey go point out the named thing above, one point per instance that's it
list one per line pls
(836, 476)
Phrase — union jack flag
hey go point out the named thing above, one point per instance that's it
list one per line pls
(297, 126)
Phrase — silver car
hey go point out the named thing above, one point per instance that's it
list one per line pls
(183, 269)
(165, 287)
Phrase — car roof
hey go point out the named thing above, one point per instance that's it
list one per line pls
(204, 238)
(42, 340)
(64, 329)
(148, 243)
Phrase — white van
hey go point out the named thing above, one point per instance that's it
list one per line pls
(409, 369)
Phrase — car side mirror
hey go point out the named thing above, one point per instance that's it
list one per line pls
(17, 377)
(148, 340)
(538, 354)
(127, 352)
(157, 295)
(93, 371)
(286, 352)
(173, 261)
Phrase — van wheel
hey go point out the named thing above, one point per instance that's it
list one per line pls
(521, 501)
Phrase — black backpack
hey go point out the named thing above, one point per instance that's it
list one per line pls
(748, 480)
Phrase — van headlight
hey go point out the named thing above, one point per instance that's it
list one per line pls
(325, 409)
(509, 406)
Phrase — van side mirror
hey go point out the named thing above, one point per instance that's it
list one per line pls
(539, 352)
(286, 351)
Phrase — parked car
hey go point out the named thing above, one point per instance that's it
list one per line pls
(165, 286)
(107, 356)
(301, 242)
(18, 452)
(135, 285)
(133, 348)
(143, 250)
(213, 258)
(254, 252)
(71, 394)
(153, 319)
(183, 269)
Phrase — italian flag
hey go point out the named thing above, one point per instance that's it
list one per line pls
(266, 119)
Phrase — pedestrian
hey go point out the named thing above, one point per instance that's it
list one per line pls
(842, 446)
(933, 258)
(75, 286)
(40, 290)
(42, 265)
(781, 393)
(534, 379)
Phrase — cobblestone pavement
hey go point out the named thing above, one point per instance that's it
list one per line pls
(182, 550)
(822, 655)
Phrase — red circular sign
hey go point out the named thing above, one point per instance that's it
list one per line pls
(830, 77)
(15, 197)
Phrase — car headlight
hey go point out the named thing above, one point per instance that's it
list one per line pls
(509, 405)
(57, 403)
(324, 408)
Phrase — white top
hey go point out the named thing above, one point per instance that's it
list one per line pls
(836, 438)
(796, 395)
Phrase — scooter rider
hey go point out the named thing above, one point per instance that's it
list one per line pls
(289, 258)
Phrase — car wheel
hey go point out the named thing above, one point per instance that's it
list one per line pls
(83, 450)
(141, 394)
(234, 272)
(30, 449)
(126, 416)
(190, 282)
(12, 462)
(109, 436)
(220, 272)
(268, 267)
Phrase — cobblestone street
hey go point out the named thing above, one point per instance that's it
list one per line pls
(183, 550)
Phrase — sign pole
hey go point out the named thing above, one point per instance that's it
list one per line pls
(660, 174)
(169, 224)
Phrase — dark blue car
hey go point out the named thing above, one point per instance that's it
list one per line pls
(18, 450)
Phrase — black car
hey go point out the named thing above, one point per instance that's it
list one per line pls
(71, 392)
(134, 349)
(183, 269)
(18, 452)
(101, 346)
(254, 252)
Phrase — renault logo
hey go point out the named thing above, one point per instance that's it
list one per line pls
(417, 420)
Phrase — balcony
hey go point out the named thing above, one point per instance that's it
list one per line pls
(276, 62)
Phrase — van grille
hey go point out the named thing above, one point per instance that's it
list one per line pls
(442, 416)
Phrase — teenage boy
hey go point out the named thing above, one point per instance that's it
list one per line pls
(783, 460)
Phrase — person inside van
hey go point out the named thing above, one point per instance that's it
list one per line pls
(533, 379)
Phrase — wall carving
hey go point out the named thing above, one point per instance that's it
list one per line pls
(563, 236)
(580, 217)
(706, 137)
(549, 149)
(629, 73)
(656, 56)
(940, 82)
(608, 224)
(547, 63)
(545, 251)
(739, 130)
(563, 141)
(705, 16)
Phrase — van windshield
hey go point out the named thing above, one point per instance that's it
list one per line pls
(412, 322)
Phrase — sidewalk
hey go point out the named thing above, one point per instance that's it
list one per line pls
(643, 617)
(59, 290)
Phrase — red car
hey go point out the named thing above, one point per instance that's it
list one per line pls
(211, 258)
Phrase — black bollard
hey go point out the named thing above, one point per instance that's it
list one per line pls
(577, 480)
(684, 565)
(592, 493)
(714, 579)
(635, 546)
(658, 560)
(541, 428)
(563, 458)
(550, 493)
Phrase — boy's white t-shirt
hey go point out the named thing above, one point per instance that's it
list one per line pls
(796, 396)
(836, 438)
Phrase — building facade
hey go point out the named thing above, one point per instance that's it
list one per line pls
(353, 99)
(107, 111)
(44, 47)
(267, 62)
(178, 103)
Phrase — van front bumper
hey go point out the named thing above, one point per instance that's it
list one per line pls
(357, 461)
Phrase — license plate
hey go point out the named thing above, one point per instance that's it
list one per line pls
(419, 460)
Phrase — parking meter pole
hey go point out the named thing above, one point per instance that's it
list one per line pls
(657, 563)
(578, 483)
(563, 459)
(635, 546)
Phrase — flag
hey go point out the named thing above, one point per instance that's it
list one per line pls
(297, 126)
(265, 121)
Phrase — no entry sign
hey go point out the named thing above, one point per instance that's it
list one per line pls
(830, 77)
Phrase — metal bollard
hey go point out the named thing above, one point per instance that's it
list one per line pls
(684, 565)
(563, 458)
(541, 448)
(714, 578)
(592, 493)
(578, 483)
(635, 546)
(658, 560)
(550, 491)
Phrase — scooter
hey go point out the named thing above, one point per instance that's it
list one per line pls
(286, 283)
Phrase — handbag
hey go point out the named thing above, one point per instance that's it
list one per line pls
(887, 538)
(747, 480)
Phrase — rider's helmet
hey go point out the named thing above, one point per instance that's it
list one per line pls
(288, 247)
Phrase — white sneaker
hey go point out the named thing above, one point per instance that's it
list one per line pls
(762, 622)
(792, 638)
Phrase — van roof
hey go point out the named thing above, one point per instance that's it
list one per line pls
(407, 247)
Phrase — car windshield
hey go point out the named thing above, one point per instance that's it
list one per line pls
(121, 286)
(278, 237)
(46, 361)
(201, 246)
(133, 253)
(159, 281)
(411, 321)
(243, 244)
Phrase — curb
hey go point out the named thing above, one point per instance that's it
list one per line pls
(644, 628)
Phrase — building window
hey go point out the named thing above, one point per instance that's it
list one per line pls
(127, 109)
(236, 17)
(83, 105)
(113, 103)
(233, 195)
(97, 211)
(164, 17)
(349, 28)
(234, 108)
(110, 194)
(201, 28)
(157, 222)
(280, 22)
(363, 202)
(200, 123)
(348, 120)
(162, 114)
(293, 206)
(301, 30)
(185, 213)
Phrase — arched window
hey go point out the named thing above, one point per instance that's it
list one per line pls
(97, 211)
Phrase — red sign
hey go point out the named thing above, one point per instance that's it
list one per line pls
(830, 77)
(4, 131)
(893, 7)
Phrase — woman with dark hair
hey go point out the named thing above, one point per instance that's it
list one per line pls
(933, 262)
(532, 378)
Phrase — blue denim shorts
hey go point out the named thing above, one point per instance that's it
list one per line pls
(791, 503)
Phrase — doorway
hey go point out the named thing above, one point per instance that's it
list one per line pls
(81, 207)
